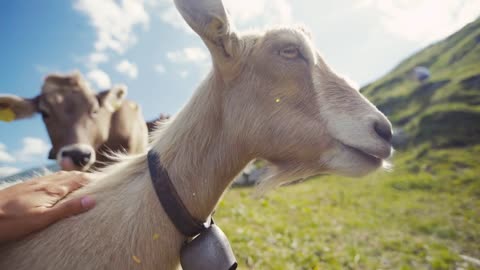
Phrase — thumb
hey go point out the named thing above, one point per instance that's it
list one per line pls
(69, 208)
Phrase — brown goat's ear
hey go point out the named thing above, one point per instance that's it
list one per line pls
(209, 19)
(14, 107)
(113, 99)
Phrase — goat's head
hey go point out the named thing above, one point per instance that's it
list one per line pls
(285, 103)
(77, 120)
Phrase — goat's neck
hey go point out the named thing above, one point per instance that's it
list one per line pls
(199, 155)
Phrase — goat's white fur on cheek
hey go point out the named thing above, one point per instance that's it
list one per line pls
(231, 119)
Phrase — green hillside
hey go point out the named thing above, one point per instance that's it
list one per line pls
(445, 110)
(424, 214)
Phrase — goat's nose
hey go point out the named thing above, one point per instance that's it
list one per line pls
(79, 158)
(383, 129)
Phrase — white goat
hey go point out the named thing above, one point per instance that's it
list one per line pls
(270, 95)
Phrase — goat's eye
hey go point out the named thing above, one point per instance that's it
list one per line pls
(290, 52)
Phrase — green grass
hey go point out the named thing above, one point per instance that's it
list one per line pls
(422, 215)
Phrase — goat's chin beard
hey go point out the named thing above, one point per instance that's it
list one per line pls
(281, 174)
(340, 163)
(350, 162)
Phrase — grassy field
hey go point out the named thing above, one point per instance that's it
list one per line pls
(422, 215)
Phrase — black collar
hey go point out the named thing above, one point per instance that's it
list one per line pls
(171, 201)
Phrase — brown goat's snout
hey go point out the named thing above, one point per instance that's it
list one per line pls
(79, 157)
(76, 157)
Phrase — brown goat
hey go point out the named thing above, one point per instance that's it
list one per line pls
(84, 127)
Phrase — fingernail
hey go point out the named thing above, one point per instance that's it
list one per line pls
(87, 202)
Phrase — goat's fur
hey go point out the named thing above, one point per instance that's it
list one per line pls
(262, 100)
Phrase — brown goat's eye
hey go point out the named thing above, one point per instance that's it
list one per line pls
(290, 52)
(94, 112)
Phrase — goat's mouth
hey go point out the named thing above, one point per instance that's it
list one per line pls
(351, 161)
(373, 159)
(67, 164)
(365, 161)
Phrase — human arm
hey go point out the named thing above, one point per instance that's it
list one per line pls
(35, 204)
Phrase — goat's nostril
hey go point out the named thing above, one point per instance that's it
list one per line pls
(79, 158)
(84, 158)
(383, 130)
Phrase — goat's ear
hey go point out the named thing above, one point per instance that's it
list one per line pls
(14, 107)
(113, 99)
(209, 19)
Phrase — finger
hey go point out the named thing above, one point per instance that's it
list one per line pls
(68, 208)
(76, 181)
(66, 185)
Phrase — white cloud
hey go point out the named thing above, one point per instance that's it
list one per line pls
(96, 58)
(4, 155)
(183, 74)
(99, 78)
(423, 21)
(159, 68)
(114, 21)
(243, 13)
(171, 16)
(188, 55)
(192, 55)
(127, 68)
(268, 12)
(32, 148)
(7, 171)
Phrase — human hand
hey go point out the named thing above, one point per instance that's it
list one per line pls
(33, 205)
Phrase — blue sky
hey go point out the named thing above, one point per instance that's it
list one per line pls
(147, 46)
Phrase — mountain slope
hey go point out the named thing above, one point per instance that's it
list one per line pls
(445, 110)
